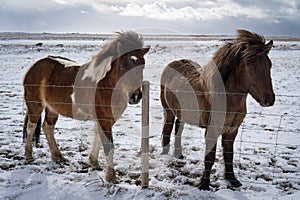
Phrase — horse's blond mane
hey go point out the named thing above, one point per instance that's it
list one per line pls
(123, 43)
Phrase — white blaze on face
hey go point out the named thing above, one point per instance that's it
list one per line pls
(134, 58)
(97, 73)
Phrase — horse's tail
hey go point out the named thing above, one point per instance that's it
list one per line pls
(32, 94)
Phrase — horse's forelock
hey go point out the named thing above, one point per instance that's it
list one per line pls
(123, 43)
(250, 43)
(250, 38)
(245, 46)
(129, 41)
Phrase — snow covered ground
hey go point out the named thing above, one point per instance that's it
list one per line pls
(267, 149)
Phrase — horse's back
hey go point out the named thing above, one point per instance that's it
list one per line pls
(50, 80)
(180, 68)
(37, 71)
(180, 87)
(47, 68)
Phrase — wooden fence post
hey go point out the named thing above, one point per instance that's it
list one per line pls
(145, 135)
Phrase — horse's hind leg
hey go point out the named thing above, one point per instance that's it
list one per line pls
(34, 110)
(178, 132)
(227, 143)
(48, 128)
(167, 129)
(37, 132)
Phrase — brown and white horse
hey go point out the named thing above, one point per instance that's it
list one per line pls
(214, 97)
(98, 90)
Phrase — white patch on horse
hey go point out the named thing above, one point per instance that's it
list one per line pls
(82, 115)
(134, 58)
(46, 105)
(65, 62)
(73, 97)
(97, 73)
(79, 113)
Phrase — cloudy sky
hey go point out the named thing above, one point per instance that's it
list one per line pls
(270, 17)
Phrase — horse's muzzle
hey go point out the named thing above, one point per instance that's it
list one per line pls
(134, 98)
(268, 100)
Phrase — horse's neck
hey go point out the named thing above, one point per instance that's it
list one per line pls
(111, 78)
(235, 89)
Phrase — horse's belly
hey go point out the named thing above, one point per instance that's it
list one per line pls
(82, 114)
(59, 109)
(188, 106)
(196, 118)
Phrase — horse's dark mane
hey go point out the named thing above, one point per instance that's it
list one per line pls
(245, 46)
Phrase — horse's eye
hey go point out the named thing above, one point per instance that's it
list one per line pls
(252, 67)
(134, 58)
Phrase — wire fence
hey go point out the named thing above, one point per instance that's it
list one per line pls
(267, 143)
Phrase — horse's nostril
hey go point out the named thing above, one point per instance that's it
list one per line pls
(136, 97)
(140, 95)
(269, 100)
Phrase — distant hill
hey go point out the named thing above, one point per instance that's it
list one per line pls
(90, 36)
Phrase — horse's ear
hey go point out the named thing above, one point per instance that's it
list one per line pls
(269, 46)
(145, 50)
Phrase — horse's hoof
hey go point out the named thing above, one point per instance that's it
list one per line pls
(110, 175)
(39, 145)
(202, 187)
(180, 157)
(232, 180)
(60, 160)
(204, 184)
(235, 183)
(164, 152)
(96, 167)
(111, 180)
(29, 159)
(94, 164)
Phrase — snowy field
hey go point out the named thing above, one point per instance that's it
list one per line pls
(267, 149)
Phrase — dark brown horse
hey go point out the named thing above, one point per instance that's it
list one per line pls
(98, 90)
(214, 97)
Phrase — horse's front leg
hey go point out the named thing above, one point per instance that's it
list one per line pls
(94, 155)
(108, 146)
(209, 160)
(227, 143)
